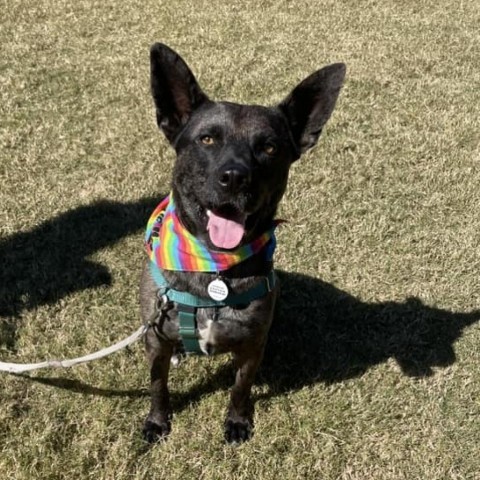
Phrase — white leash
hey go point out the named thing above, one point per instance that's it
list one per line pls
(25, 367)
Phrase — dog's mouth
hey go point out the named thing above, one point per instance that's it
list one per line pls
(226, 226)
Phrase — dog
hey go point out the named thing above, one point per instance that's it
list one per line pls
(230, 174)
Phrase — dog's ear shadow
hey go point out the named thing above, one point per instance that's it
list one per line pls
(49, 261)
(322, 334)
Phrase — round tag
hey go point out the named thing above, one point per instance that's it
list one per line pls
(218, 290)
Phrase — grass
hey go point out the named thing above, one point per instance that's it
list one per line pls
(373, 368)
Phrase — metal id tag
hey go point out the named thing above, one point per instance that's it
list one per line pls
(218, 290)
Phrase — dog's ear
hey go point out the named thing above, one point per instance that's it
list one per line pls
(175, 90)
(310, 104)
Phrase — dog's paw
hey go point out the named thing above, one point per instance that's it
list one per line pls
(155, 432)
(238, 431)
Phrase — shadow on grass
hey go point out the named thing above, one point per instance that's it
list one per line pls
(320, 334)
(323, 334)
(42, 265)
(77, 386)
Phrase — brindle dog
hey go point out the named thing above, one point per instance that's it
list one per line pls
(230, 174)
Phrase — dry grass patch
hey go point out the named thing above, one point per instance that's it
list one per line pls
(372, 371)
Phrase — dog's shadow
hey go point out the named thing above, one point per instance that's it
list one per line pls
(320, 333)
(323, 334)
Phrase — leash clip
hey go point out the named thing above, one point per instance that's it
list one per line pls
(163, 302)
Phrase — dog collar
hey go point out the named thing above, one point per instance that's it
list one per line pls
(171, 246)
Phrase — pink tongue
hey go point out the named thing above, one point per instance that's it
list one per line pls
(226, 232)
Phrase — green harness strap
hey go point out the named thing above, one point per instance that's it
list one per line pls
(187, 304)
(188, 328)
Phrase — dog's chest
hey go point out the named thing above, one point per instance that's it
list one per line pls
(219, 330)
(207, 340)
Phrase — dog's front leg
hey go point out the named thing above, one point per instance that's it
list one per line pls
(158, 423)
(239, 421)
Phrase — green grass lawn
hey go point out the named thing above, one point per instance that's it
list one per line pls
(373, 367)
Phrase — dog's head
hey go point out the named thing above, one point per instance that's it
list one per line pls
(233, 160)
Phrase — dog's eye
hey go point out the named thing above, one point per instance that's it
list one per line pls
(270, 149)
(207, 140)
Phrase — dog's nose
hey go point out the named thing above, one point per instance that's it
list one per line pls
(234, 178)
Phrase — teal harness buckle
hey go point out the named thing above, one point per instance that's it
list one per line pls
(187, 304)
